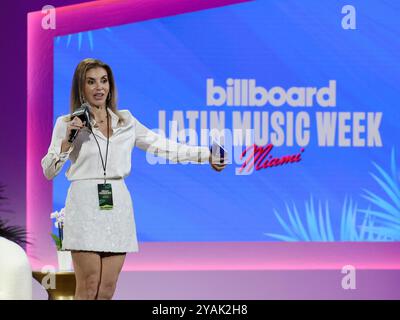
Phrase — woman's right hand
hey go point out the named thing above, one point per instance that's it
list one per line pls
(75, 124)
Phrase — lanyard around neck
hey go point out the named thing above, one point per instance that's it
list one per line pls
(103, 163)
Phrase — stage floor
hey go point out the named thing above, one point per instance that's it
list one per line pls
(249, 270)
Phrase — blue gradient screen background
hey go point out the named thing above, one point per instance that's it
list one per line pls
(163, 64)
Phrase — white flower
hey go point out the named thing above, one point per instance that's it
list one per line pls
(59, 216)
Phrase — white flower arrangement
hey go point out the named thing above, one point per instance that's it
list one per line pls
(59, 224)
(59, 215)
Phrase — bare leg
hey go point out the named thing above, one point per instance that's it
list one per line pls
(111, 266)
(87, 266)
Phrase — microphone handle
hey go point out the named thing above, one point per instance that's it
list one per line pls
(72, 135)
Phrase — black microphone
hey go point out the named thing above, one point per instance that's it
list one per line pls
(82, 113)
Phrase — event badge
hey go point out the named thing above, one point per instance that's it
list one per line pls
(105, 196)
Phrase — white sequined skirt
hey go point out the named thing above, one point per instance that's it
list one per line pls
(88, 228)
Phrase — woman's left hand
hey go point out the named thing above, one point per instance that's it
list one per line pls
(217, 166)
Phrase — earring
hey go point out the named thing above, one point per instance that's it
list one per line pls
(82, 99)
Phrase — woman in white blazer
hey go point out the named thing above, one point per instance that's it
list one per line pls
(100, 160)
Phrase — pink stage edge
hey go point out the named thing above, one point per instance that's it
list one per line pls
(154, 256)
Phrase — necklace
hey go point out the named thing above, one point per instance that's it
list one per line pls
(102, 121)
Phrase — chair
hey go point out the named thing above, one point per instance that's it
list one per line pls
(15, 272)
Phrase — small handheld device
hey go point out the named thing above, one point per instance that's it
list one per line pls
(218, 153)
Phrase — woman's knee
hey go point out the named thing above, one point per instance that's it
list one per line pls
(87, 286)
(106, 290)
(92, 285)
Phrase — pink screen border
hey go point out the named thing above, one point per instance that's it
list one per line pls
(154, 255)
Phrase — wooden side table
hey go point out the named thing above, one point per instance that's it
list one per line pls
(65, 284)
